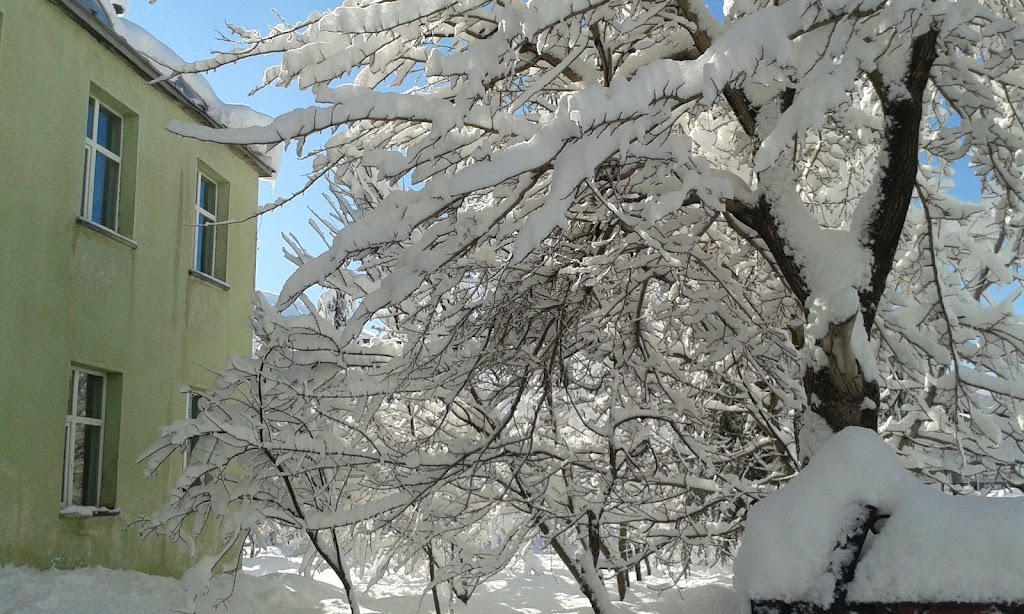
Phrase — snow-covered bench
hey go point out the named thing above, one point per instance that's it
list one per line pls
(857, 533)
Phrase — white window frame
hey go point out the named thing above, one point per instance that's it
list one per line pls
(92, 147)
(208, 218)
(71, 422)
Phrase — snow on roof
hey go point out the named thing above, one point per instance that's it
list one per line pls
(933, 548)
(100, 10)
(195, 88)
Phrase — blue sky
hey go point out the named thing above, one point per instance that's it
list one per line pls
(192, 28)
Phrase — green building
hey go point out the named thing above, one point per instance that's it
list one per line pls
(115, 302)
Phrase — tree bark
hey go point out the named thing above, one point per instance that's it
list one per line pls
(433, 587)
(622, 578)
(583, 570)
(335, 561)
(844, 396)
(838, 392)
(593, 587)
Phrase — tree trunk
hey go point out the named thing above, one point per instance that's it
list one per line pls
(838, 394)
(583, 570)
(331, 553)
(622, 578)
(592, 585)
(561, 551)
(433, 587)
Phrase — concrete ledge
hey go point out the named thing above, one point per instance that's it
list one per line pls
(223, 285)
(107, 232)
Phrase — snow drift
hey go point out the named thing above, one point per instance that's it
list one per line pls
(932, 548)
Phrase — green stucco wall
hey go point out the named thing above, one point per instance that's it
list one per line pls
(72, 296)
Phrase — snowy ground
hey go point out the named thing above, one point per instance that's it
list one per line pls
(273, 587)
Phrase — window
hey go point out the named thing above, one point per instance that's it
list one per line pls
(101, 176)
(83, 439)
(211, 211)
(206, 229)
(191, 412)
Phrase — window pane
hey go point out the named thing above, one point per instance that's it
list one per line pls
(85, 466)
(65, 497)
(72, 393)
(192, 411)
(104, 191)
(193, 405)
(206, 238)
(85, 183)
(88, 121)
(208, 195)
(108, 133)
(89, 396)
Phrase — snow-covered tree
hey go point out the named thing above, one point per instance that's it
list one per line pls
(647, 259)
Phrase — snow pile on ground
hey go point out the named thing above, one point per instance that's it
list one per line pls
(96, 590)
(271, 586)
(514, 591)
(933, 548)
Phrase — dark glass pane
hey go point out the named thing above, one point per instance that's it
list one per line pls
(208, 195)
(94, 407)
(64, 496)
(104, 191)
(90, 396)
(88, 121)
(193, 413)
(72, 393)
(86, 466)
(108, 133)
(193, 405)
(206, 239)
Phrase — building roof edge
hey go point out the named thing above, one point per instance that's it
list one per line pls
(116, 43)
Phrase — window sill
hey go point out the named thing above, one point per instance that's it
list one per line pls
(82, 511)
(107, 232)
(223, 285)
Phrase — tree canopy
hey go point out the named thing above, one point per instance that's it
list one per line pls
(606, 270)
